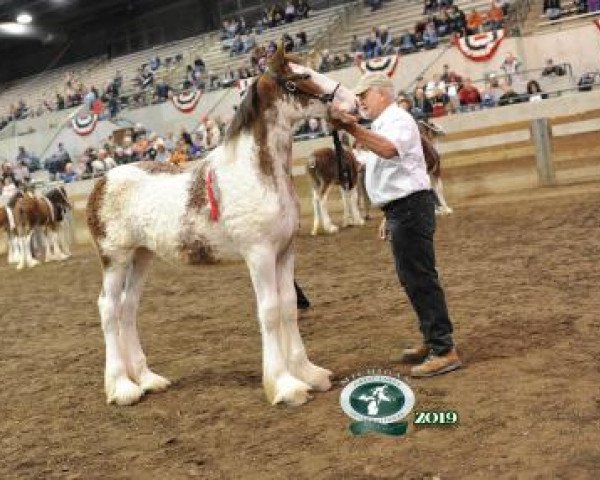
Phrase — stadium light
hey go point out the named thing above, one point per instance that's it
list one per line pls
(11, 28)
(24, 18)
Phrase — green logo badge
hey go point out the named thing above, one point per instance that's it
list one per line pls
(377, 403)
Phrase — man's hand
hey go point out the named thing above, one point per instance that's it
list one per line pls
(339, 119)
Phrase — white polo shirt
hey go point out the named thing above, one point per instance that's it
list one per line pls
(397, 177)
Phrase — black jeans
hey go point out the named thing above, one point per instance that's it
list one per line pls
(411, 224)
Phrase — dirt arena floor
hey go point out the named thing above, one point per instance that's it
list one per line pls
(522, 279)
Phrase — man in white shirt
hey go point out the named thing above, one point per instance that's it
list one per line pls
(397, 182)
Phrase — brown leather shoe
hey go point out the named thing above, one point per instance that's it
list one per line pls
(414, 355)
(436, 365)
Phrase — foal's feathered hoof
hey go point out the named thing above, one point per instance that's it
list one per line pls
(332, 229)
(151, 382)
(291, 391)
(316, 377)
(125, 392)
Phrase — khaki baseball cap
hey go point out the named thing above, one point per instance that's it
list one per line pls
(372, 80)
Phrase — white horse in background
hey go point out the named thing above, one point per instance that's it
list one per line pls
(240, 201)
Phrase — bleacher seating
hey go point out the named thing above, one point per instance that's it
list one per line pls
(398, 16)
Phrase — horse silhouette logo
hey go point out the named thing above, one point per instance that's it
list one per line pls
(377, 403)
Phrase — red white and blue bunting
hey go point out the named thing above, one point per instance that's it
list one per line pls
(241, 86)
(385, 65)
(187, 100)
(481, 46)
(84, 123)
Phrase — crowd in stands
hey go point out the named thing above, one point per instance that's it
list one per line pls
(139, 145)
(554, 9)
(450, 92)
(443, 19)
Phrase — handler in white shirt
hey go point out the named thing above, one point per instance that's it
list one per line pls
(397, 182)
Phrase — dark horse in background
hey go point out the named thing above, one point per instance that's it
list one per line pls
(46, 216)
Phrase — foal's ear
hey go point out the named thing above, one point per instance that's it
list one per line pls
(277, 60)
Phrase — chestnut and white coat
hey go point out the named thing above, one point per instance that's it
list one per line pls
(146, 209)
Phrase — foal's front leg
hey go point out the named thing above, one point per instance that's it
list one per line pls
(117, 384)
(278, 382)
(297, 359)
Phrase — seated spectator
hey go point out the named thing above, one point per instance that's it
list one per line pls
(288, 42)
(276, 15)
(199, 65)
(154, 63)
(509, 96)
(249, 42)
(290, 12)
(180, 156)
(237, 46)
(422, 107)
(300, 40)
(586, 82)
(21, 174)
(60, 102)
(491, 94)
(430, 38)
(55, 164)
(161, 154)
(510, 65)
(444, 25)
(302, 9)
(356, 46)
(326, 63)
(314, 127)
(369, 46)
(70, 174)
(9, 188)
(551, 69)
(458, 19)
(469, 96)
(439, 100)
(535, 91)
(24, 156)
(429, 6)
(504, 5)
(213, 135)
(446, 3)
(552, 9)
(495, 18)
(407, 43)
(162, 91)
(474, 22)
(383, 44)
(120, 157)
(374, 4)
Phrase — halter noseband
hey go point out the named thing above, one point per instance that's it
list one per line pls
(290, 86)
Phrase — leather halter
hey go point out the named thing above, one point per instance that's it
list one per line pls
(290, 86)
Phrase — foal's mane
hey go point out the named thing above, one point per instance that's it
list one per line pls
(247, 113)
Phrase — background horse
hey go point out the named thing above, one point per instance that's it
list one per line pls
(44, 214)
(429, 132)
(7, 223)
(240, 201)
(323, 170)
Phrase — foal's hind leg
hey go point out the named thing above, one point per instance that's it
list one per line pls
(137, 367)
(119, 388)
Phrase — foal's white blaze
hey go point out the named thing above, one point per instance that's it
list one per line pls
(344, 98)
